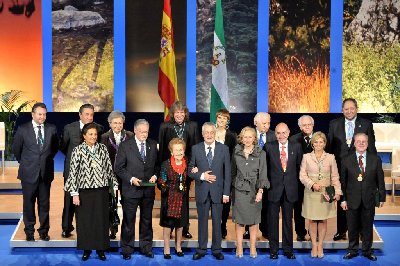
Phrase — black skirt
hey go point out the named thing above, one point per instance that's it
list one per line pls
(92, 219)
(171, 222)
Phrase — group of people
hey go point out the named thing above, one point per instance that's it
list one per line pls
(257, 173)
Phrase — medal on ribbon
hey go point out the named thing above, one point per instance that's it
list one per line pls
(360, 178)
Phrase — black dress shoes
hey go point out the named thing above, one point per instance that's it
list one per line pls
(350, 255)
(149, 254)
(179, 253)
(273, 256)
(370, 256)
(246, 235)
(44, 237)
(126, 256)
(30, 237)
(289, 255)
(65, 234)
(218, 256)
(197, 256)
(187, 235)
(167, 256)
(86, 255)
(339, 236)
(301, 238)
(101, 255)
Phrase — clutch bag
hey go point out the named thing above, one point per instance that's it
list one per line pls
(330, 191)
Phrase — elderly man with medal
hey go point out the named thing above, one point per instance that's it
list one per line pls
(363, 189)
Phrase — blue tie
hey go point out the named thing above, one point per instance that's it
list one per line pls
(261, 141)
(209, 157)
(142, 153)
(350, 130)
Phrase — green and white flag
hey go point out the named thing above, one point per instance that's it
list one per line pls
(219, 88)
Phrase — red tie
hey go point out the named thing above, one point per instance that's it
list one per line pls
(283, 158)
(360, 163)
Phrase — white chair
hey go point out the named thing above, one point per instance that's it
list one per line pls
(395, 168)
(2, 143)
(386, 136)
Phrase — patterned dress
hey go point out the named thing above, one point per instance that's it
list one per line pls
(89, 177)
(174, 212)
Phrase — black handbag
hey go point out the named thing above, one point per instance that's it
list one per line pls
(330, 191)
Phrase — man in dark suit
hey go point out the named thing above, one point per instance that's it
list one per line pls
(213, 184)
(35, 145)
(341, 143)
(306, 125)
(137, 166)
(71, 138)
(283, 159)
(262, 122)
(179, 126)
(363, 186)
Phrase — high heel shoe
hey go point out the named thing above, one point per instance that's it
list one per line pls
(239, 254)
(320, 253)
(253, 255)
(314, 251)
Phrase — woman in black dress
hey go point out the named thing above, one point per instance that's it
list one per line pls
(229, 138)
(174, 212)
(89, 180)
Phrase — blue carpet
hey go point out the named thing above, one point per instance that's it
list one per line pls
(389, 256)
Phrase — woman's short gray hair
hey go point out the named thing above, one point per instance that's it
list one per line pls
(115, 114)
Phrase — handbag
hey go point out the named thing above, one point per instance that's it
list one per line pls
(113, 208)
(330, 191)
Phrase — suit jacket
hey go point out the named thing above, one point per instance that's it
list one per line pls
(129, 163)
(108, 139)
(279, 179)
(167, 132)
(337, 137)
(299, 138)
(220, 167)
(356, 192)
(71, 138)
(310, 170)
(32, 161)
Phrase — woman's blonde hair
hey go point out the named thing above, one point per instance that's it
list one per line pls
(316, 136)
(248, 129)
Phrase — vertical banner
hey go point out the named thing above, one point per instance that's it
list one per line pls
(240, 20)
(219, 87)
(21, 48)
(143, 31)
(299, 53)
(83, 55)
(167, 81)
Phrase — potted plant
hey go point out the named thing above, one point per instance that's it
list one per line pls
(11, 108)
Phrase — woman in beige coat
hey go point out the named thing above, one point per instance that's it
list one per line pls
(319, 170)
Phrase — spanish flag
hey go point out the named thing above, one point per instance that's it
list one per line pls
(167, 81)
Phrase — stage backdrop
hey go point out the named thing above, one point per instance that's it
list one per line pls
(21, 48)
(83, 54)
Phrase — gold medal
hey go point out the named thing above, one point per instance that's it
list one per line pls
(348, 141)
(360, 178)
(181, 187)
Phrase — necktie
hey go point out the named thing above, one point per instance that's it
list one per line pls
(40, 139)
(307, 140)
(261, 141)
(350, 130)
(142, 153)
(209, 157)
(283, 158)
(360, 163)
